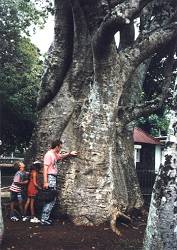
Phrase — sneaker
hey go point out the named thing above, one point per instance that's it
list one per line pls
(14, 218)
(35, 220)
(50, 220)
(25, 218)
(46, 222)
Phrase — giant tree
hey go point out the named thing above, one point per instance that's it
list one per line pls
(90, 93)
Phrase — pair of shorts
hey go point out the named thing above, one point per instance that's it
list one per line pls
(14, 196)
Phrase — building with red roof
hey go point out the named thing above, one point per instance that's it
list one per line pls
(147, 150)
(139, 136)
(148, 157)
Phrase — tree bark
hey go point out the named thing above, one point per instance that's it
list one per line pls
(82, 107)
(161, 231)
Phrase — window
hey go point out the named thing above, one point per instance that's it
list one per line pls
(137, 151)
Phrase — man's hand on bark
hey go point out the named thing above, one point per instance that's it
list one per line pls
(73, 153)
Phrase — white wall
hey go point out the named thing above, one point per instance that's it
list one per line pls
(136, 149)
(158, 157)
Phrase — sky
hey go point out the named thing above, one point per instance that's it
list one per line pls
(44, 37)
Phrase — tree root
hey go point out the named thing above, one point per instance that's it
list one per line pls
(115, 216)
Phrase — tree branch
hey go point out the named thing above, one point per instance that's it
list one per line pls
(59, 54)
(148, 42)
(120, 16)
(127, 36)
(130, 113)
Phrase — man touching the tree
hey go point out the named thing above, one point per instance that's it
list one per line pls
(50, 172)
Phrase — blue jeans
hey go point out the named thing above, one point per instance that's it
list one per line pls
(47, 209)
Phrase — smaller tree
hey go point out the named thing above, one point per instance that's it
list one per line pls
(20, 83)
(1, 218)
(20, 71)
(161, 231)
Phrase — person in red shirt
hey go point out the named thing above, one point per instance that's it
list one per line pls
(50, 175)
(32, 191)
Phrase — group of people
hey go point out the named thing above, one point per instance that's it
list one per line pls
(26, 185)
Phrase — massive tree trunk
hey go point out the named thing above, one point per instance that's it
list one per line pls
(80, 102)
(161, 231)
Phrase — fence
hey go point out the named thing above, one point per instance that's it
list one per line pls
(146, 177)
(7, 170)
(9, 160)
(146, 180)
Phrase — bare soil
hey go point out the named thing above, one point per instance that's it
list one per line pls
(64, 235)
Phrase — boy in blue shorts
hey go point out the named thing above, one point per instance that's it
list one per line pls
(17, 194)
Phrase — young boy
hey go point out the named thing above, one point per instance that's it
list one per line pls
(17, 190)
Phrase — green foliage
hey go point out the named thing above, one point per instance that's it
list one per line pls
(155, 77)
(152, 87)
(154, 124)
(20, 72)
(19, 15)
(20, 79)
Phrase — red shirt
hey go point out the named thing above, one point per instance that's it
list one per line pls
(32, 189)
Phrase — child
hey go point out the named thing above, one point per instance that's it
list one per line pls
(16, 190)
(32, 191)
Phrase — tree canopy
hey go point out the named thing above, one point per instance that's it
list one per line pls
(20, 72)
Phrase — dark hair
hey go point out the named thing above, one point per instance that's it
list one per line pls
(55, 143)
(36, 166)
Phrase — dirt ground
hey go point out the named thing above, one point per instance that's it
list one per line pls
(64, 235)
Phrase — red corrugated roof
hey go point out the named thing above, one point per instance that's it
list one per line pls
(142, 137)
